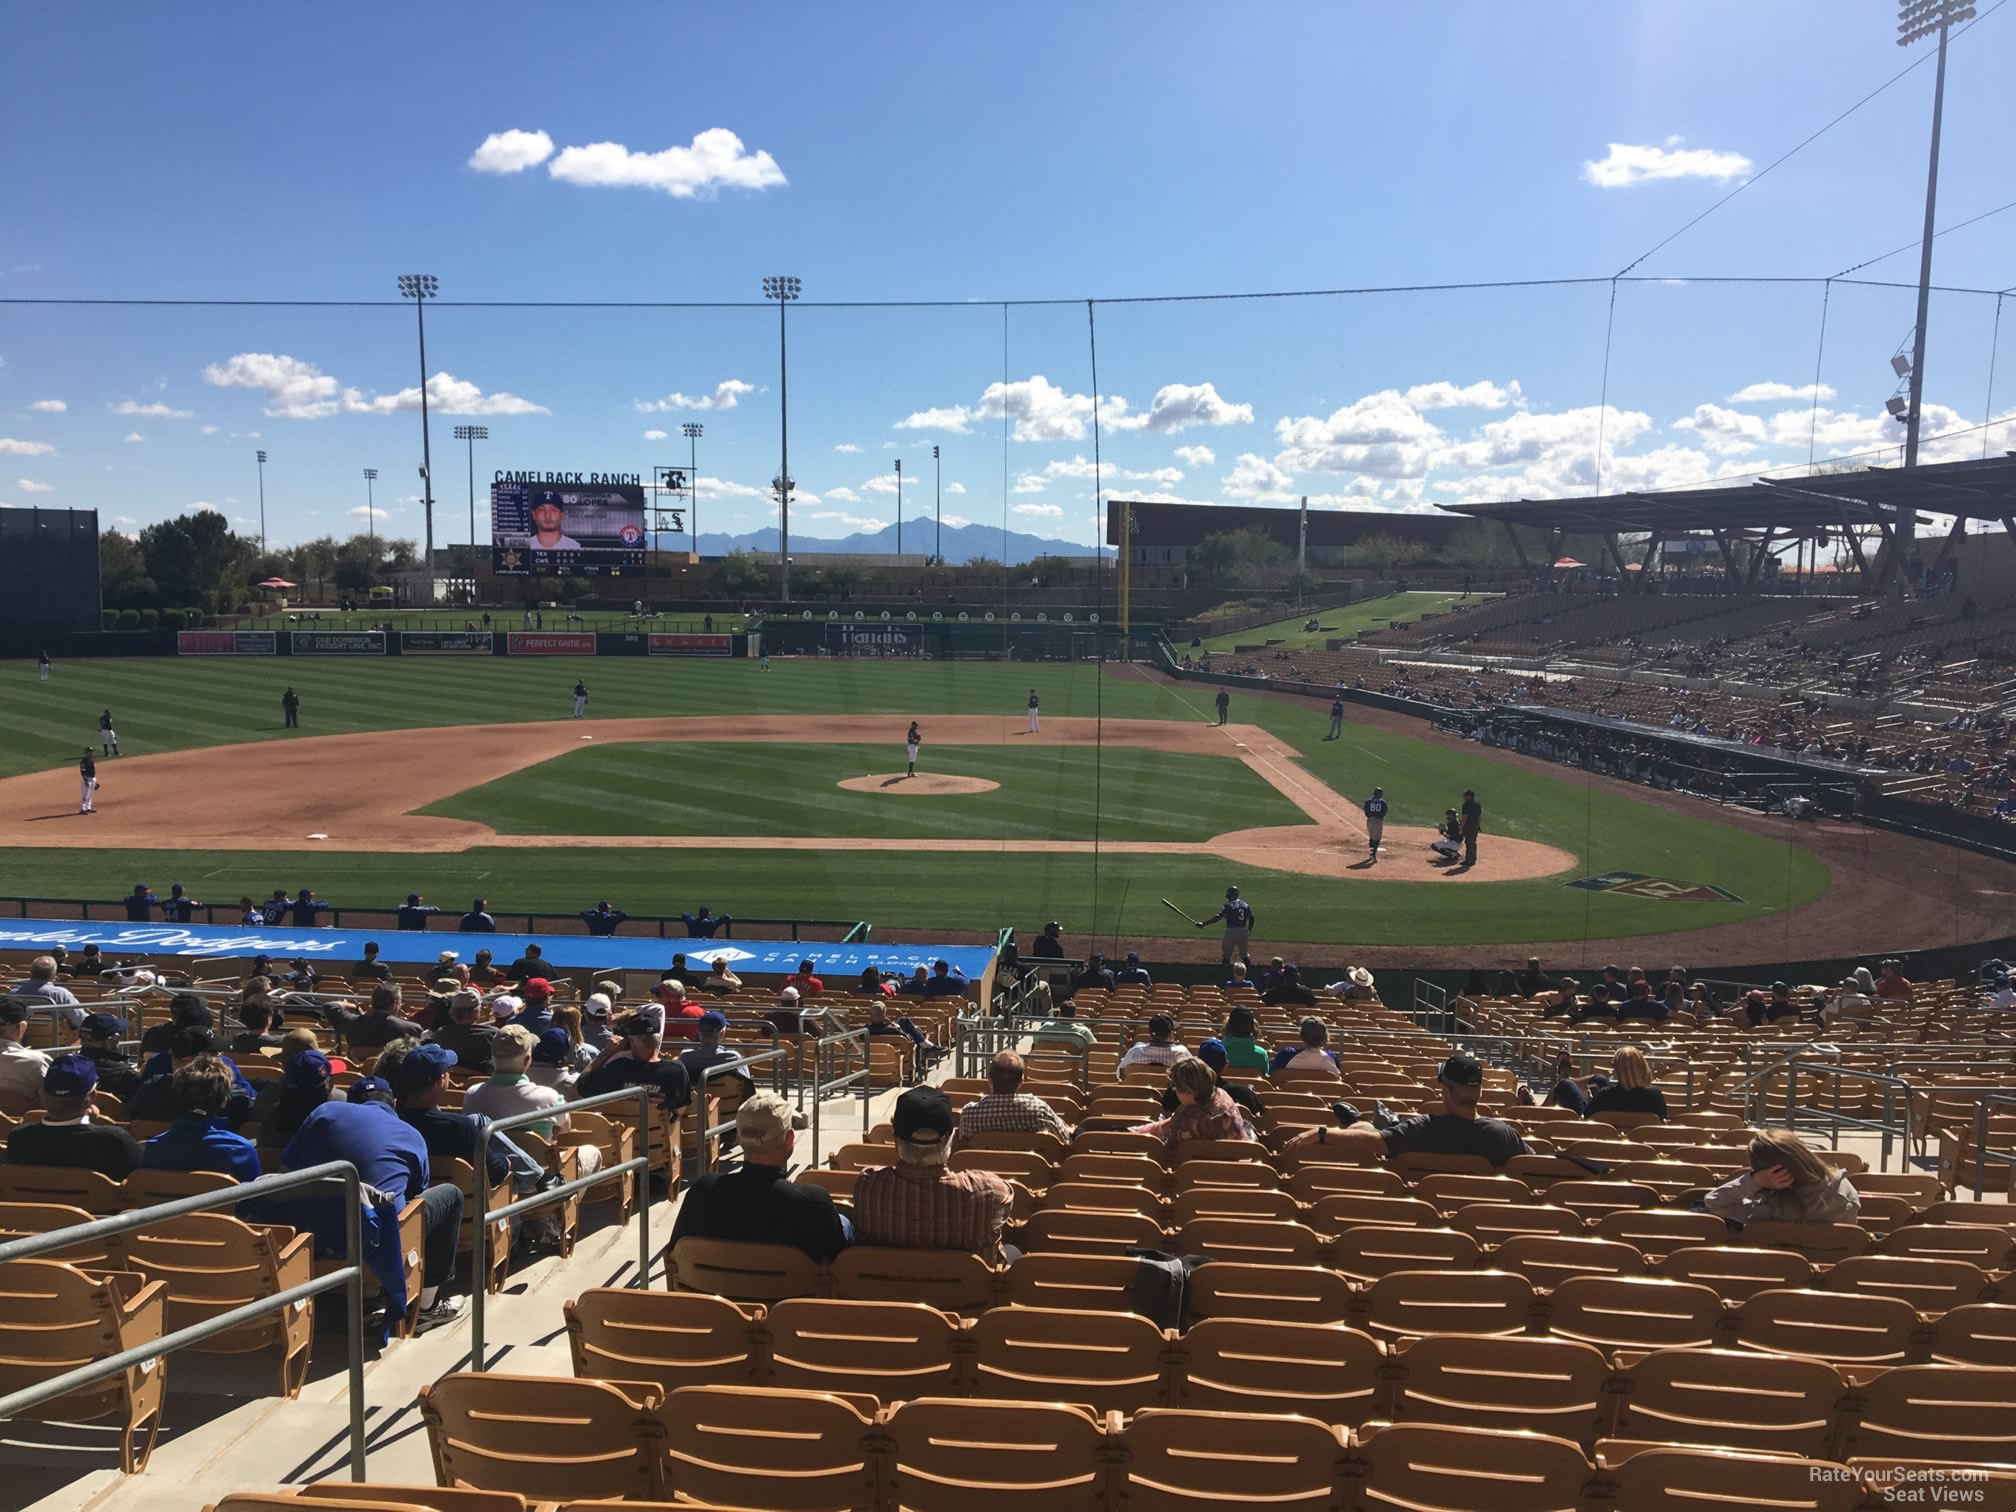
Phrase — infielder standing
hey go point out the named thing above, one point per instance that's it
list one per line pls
(1375, 820)
(1336, 720)
(910, 744)
(580, 699)
(87, 769)
(108, 737)
(1035, 714)
(1224, 705)
(1238, 917)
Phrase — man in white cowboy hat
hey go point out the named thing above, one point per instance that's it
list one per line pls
(1354, 986)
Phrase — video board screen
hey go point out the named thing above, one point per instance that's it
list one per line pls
(565, 528)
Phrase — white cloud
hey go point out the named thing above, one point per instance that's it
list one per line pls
(886, 484)
(1723, 430)
(851, 521)
(848, 449)
(1041, 411)
(844, 494)
(715, 160)
(364, 512)
(511, 151)
(1178, 406)
(1197, 456)
(1254, 477)
(727, 394)
(954, 488)
(154, 411)
(29, 485)
(721, 488)
(953, 418)
(299, 390)
(1482, 394)
(1039, 511)
(204, 505)
(654, 435)
(9, 447)
(209, 430)
(49, 406)
(135, 436)
(126, 520)
(1381, 433)
(1627, 165)
(1757, 393)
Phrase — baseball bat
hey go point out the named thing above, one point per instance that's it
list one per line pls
(1127, 884)
(1167, 904)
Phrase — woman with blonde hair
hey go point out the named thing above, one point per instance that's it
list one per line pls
(1204, 1110)
(1630, 1089)
(1787, 1183)
(580, 1053)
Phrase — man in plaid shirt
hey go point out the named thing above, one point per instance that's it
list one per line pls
(919, 1203)
(1007, 1109)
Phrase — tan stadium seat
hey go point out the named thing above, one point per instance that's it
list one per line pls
(890, 1350)
(1276, 1293)
(1821, 1243)
(671, 1338)
(1426, 1467)
(1366, 1254)
(1734, 1274)
(1534, 1385)
(1930, 1286)
(354, 1496)
(1191, 1461)
(1314, 1181)
(20, 1219)
(1539, 1172)
(1118, 1142)
(1452, 1190)
(1233, 1202)
(985, 1456)
(1336, 1212)
(1548, 1259)
(545, 1437)
(1221, 1173)
(748, 1446)
(1233, 1150)
(1777, 1403)
(1245, 1365)
(953, 1281)
(1088, 1283)
(55, 1318)
(1119, 1170)
(210, 1263)
(1919, 1188)
(1980, 1333)
(1990, 1248)
(1108, 1362)
(149, 1188)
(1106, 1197)
(1948, 1411)
(742, 1271)
(1594, 1199)
(1076, 1231)
(1412, 1303)
(463, 1175)
(1667, 1478)
(1034, 1171)
(93, 1191)
(1495, 1222)
(1657, 1232)
(839, 1185)
(1256, 1241)
(1634, 1312)
(1859, 1334)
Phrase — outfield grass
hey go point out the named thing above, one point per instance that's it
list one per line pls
(1372, 614)
(1046, 793)
(192, 702)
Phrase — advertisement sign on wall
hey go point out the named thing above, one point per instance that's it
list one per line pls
(668, 644)
(445, 642)
(550, 642)
(226, 642)
(338, 642)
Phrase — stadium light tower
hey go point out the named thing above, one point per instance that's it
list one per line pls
(694, 430)
(899, 506)
(262, 503)
(371, 511)
(472, 434)
(421, 287)
(938, 549)
(783, 289)
(1917, 20)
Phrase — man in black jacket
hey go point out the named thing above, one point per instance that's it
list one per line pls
(1288, 988)
(602, 919)
(66, 1135)
(376, 1029)
(98, 1042)
(755, 1203)
(415, 912)
(478, 920)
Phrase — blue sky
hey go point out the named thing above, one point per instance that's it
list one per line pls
(963, 154)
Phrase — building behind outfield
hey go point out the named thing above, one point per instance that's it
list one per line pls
(48, 571)
(1163, 535)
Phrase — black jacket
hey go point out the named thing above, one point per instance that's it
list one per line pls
(761, 1205)
(106, 1148)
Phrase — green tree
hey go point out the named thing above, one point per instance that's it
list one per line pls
(1382, 553)
(316, 562)
(196, 558)
(122, 572)
(740, 573)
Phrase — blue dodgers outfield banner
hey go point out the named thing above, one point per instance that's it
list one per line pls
(415, 947)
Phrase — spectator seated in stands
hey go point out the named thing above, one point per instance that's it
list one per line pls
(471, 1041)
(757, 1202)
(155, 1100)
(536, 1013)
(198, 1139)
(1241, 1039)
(1787, 1183)
(68, 1135)
(1639, 1003)
(1759, 1009)
(1893, 983)
(257, 1037)
(1159, 1049)
(303, 1087)
(920, 1202)
(1288, 988)
(511, 1091)
(1630, 1089)
(529, 965)
(98, 1040)
(1095, 977)
(1998, 988)
(1133, 973)
(917, 984)
(721, 979)
(1204, 1110)
(1533, 981)
(806, 979)
(185, 1009)
(1855, 998)
(1563, 1001)
(1212, 1053)
(375, 1028)
(879, 1023)
(1456, 1130)
(419, 1082)
(633, 1058)
(945, 982)
(681, 1013)
(1238, 980)
(1063, 1028)
(483, 972)
(711, 1052)
(1006, 1108)
(873, 984)
(1049, 945)
(1310, 1053)
(554, 1060)
(42, 990)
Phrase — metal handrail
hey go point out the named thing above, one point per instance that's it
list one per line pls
(350, 1276)
(1997, 1093)
(823, 1047)
(479, 1278)
(736, 1067)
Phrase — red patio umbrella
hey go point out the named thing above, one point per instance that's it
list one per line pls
(1566, 562)
(278, 582)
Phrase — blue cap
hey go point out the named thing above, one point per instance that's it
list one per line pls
(425, 1064)
(99, 1026)
(310, 1068)
(1212, 1053)
(712, 1021)
(552, 1048)
(369, 1089)
(70, 1076)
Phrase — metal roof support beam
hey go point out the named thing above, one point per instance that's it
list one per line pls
(1855, 550)
(1518, 550)
(1651, 550)
(1763, 550)
(1617, 556)
(1735, 578)
(1946, 546)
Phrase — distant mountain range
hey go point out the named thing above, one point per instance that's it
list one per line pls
(962, 543)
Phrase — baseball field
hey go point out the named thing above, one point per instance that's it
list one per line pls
(781, 792)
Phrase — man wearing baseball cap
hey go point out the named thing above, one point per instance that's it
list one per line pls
(418, 1084)
(1456, 1130)
(920, 1203)
(634, 1057)
(98, 1042)
(66, 1136)
(712, 1026)
(755, 1202)
(681, 1014)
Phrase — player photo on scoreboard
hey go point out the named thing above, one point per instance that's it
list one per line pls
(565, 528)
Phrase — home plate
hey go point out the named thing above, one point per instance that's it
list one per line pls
(318, 835)
(587, 737)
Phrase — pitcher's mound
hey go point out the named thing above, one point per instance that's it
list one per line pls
(929, 784)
